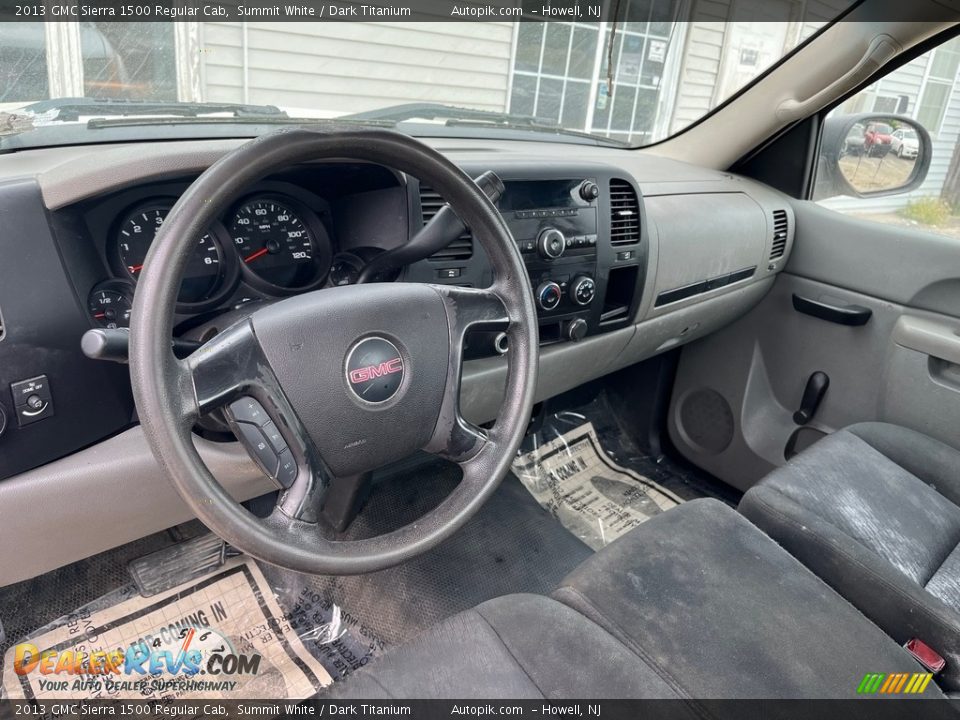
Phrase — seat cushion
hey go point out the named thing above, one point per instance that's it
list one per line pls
(720, 611)
(873, 510)
(516, 646)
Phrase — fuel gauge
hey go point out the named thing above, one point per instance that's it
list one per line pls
(110, 308)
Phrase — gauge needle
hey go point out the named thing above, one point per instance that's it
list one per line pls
(258, 253)
(135, 268)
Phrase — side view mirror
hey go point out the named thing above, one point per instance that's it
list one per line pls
(871, 155)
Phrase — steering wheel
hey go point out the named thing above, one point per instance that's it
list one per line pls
(351, 378)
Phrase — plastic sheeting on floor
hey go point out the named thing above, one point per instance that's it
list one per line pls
(567, 470)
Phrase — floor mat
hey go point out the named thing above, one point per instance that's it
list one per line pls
(511, 545)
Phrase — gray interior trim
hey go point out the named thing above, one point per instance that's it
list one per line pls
(900, 264)
(107, 495)
(923, 334)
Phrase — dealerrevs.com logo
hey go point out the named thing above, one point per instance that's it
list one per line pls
(198, 651)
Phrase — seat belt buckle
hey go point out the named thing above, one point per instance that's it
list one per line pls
(925, 655)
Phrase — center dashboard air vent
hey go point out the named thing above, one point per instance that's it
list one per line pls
(459, 249)
(780, 228)
(624, 213)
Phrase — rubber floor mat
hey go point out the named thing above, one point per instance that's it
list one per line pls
(511, 545)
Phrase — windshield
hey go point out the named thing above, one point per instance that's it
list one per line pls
(643, 74)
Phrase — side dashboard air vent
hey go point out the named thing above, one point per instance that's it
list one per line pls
(624, 213)
(779, 234)
(459, 249)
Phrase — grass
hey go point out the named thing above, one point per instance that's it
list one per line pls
(928, 211)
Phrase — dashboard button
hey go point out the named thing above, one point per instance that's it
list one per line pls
(249, 410)
(258, 445)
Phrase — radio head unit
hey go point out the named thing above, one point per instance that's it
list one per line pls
(552, 218)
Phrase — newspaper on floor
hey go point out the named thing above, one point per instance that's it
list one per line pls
(219, 637)
(593, 497)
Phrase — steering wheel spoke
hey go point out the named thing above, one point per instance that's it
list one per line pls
(468, 308)
(455, 438)
(230, 372)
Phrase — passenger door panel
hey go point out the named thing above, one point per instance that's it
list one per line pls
(736, 391)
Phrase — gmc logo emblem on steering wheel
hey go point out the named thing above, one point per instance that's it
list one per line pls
(374, 370)
(361, 375)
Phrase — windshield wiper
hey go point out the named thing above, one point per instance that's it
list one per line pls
(72, 109)
(469, 117)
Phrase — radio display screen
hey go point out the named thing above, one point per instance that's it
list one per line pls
(537, 194)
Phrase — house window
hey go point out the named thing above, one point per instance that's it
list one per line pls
(131, 60)
(23, 62)
(936, 92)
(554, 65)
(552, 71)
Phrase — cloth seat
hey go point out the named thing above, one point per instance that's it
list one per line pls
(874, 510)
(695, 603)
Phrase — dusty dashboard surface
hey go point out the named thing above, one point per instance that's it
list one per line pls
(608, 237)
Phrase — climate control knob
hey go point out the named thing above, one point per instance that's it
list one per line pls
(549, 295)
(551, 243)
(582, 290)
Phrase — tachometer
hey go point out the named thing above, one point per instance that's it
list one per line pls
(204, 270)
(280, 244)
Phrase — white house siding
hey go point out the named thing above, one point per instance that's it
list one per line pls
(701, 62)
(334, 68)
(700, 85)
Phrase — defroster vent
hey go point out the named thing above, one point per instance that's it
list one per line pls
(459, 249)
(624, 213)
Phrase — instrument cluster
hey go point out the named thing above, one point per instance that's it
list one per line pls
(272, 242)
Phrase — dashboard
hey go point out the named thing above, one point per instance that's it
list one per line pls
(629, 255)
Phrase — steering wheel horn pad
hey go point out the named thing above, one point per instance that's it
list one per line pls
(308, 341)
(352, 377)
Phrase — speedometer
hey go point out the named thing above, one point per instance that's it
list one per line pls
(280, 243)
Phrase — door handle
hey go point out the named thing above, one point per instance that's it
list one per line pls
(852, 315)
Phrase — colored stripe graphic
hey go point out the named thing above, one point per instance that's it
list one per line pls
(894, 683)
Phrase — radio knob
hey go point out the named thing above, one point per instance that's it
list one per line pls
(582, 290)
(551, 243)
(589, 191)
(548, 295)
